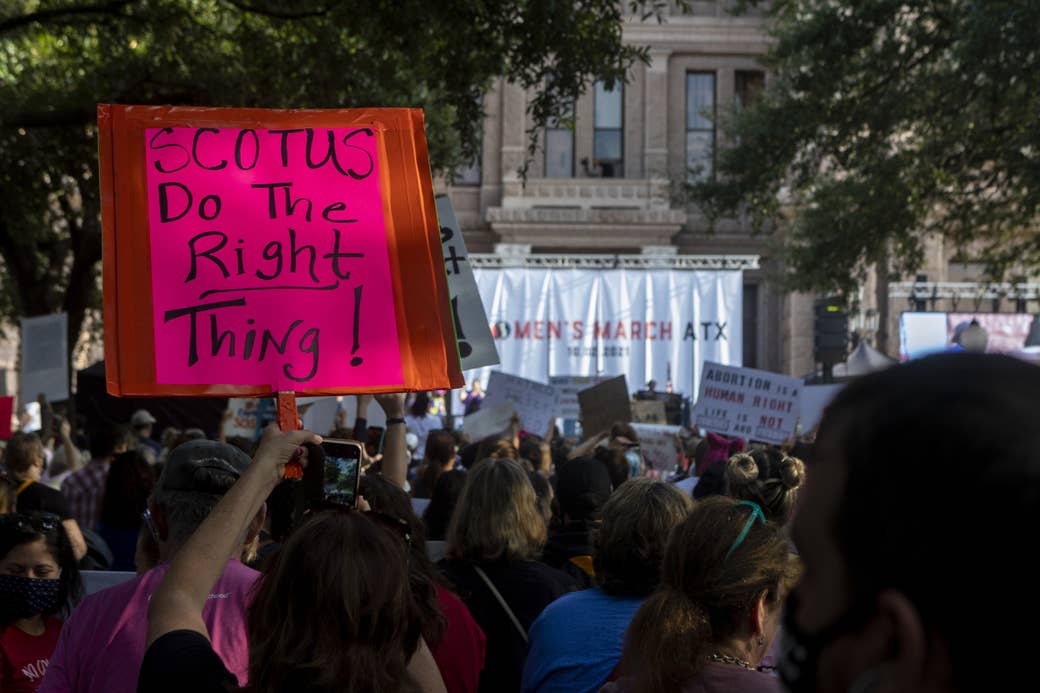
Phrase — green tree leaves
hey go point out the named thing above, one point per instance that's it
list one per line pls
(888, 121)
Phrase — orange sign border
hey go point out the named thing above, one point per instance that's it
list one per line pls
(429, 356)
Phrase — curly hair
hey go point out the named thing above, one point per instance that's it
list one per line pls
(769, 478)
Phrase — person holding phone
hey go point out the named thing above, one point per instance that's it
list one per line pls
(334, 611)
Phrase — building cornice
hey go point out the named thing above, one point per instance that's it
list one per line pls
(634, 262)
(700, 34)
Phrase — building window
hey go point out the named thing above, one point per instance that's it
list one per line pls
(749, 84)
(608, 142)
(559, 146)
(700, 125)
(469, 174)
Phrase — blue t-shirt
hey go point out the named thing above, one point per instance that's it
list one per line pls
(576, 643)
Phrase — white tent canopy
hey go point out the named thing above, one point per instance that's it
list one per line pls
(863, 359)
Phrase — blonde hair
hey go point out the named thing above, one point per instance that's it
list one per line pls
(497, 515)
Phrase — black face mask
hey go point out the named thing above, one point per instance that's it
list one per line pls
(23, 596)
(799, 660)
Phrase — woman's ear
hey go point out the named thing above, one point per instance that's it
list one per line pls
(910, 663)
(757, 617)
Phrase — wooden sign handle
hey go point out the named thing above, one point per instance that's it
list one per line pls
(289, 420)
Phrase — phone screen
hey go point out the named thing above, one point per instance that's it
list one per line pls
(342, 464)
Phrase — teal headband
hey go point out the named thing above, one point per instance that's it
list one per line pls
(756, 513)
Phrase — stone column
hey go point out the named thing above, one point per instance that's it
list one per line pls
(655, 116)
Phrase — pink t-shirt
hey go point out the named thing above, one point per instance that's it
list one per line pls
(102, 644)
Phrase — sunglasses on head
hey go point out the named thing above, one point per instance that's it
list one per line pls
(35, 522)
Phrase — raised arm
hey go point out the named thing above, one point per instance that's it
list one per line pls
(587, 446)
(361, 419)
(73, 457)
(395, 449)
(177, 604)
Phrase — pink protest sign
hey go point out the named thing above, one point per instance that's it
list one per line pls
(269, 258)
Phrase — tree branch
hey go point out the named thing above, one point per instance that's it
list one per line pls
(267, 12)
(77, 115)
(20, 21)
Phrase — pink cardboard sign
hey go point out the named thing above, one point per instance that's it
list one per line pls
(269, 258)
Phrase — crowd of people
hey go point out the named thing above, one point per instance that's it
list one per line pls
(875, 555)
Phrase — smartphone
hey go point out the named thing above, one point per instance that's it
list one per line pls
(342, 470)
(375, 440)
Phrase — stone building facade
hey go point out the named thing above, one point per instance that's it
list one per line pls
(613, 183)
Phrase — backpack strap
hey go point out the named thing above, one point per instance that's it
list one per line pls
(501, 601)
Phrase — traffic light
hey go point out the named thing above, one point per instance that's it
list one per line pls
(830, 332)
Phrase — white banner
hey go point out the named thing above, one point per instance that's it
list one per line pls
(45, 360)
(753, 404)
(643, 324)
(476, 347)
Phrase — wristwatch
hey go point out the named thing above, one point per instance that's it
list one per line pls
(396, 420)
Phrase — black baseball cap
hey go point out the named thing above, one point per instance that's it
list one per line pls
(203, 466)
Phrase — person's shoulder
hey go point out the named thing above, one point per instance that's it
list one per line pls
(237, 573)
(559, 611)
(549, 575)
(577, 604)
(236, 584)
(453, 608)
(448, 599)
(77, 477)
(38, 490)
(184, 660)
(722, 677)
(47, 499)
(104, 601)
(101, 610)
(456, 571)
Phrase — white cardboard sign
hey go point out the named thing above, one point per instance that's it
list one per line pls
(472, 332)
(659, 444)
(45, 364)
(569, 386)
(814, 400)
(535, 403)
(242, 421)
(753, 404)
(489, 420)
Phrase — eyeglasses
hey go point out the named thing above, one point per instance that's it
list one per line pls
(35, 522)
(147, 517)
(394, 524)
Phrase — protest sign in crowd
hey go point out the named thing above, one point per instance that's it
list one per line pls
(395, 547)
